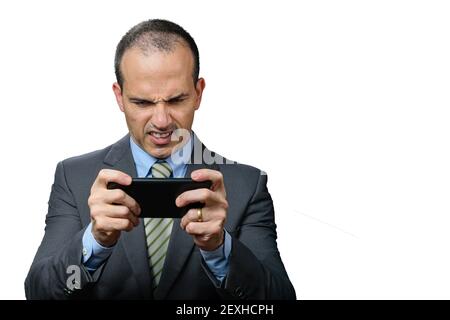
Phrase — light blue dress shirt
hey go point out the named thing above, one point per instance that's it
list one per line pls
(95, 254)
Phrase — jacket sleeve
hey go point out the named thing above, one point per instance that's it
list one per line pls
(255, 267)
(57, 271)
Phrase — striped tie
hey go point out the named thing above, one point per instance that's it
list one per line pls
(158, 230)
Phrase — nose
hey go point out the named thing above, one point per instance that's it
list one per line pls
(161, 118)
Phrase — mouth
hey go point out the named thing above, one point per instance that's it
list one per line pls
(161, 134)
(160, 138)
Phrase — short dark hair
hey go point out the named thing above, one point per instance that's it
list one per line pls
(159, 34)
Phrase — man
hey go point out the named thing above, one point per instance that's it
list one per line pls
(95, 245)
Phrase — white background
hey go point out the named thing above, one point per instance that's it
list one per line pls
(345, 104)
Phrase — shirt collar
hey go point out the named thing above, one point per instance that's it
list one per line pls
(177, 161)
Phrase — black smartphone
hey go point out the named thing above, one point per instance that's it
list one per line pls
(156, 196)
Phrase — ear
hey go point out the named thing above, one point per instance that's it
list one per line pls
(118, 94)
(199, 87)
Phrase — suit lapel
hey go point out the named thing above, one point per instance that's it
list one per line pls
(120, 158)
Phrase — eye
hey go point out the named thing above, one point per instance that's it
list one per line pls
(176, 101)
(142, 103)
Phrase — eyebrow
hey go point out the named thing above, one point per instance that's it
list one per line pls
(176, 97)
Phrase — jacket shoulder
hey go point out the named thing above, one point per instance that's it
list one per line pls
(82, 169)
(87, 158)
(231, 165)
(241, 176)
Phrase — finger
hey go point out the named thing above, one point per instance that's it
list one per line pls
(108, 175)
(200, 229)
(108, 224)
(214, 176)
(117, 196)
(113, 211)
(121, 212)
(200, 195)
(192, 216)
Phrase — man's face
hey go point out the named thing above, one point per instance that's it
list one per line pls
(158, 96)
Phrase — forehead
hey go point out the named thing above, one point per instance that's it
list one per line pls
(155, 71)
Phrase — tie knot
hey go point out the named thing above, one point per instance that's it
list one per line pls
(161, 169)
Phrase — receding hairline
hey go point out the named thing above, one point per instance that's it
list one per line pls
(152, 42)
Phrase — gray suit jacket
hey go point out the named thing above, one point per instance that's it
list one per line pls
(255, 267)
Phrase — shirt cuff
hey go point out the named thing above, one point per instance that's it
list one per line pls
(218, 260)
(94, 254)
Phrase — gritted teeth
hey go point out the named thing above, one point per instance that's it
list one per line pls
(160, 135)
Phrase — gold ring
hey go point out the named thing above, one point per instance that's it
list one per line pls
(199, 215)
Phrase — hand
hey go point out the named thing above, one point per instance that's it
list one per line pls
(208, 234)
(112, 211)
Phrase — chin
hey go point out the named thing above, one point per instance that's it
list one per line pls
(160, 152)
